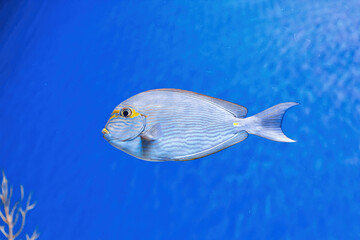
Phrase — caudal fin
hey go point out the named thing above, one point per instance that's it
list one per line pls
(267, 124)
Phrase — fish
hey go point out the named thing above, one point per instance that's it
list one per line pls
(179, 125)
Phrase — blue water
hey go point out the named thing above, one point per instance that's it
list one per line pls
(64, 66)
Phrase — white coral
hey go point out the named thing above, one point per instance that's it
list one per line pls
(10, 215)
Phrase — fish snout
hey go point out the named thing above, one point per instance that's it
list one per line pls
(105, 131)
(106, 134)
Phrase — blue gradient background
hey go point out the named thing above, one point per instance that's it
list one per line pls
(64, 66)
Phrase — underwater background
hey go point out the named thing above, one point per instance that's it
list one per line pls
(65, 65)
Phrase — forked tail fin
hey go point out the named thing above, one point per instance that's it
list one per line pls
(267, 124)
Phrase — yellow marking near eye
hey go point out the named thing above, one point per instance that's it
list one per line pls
(134, 113)
(115, 113)
(104, 131)
(236, 124)
(112, 116)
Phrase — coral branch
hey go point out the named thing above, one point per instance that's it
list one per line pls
(34, 236)
(2, 229)
(7, 215)
(2, 216)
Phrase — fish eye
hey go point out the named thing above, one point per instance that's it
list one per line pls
(126, 112)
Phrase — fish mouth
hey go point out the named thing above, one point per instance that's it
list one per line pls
(105, 131)
(107, 135)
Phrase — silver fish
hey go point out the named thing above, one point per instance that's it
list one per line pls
(178, 125)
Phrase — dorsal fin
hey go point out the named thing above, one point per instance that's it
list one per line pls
(235, 109)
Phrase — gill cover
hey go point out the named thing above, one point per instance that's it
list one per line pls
(125, 124)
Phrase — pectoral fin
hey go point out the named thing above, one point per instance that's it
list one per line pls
(152, 133)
